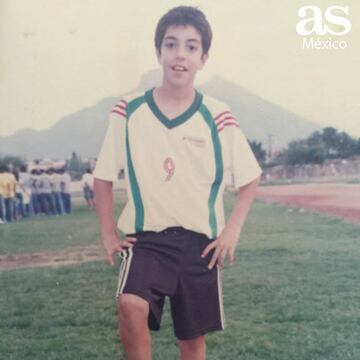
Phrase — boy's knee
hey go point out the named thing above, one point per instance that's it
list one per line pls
(132, 307)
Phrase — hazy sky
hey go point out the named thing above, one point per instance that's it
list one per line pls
(57, 57)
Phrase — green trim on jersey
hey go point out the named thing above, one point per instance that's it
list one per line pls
(219, 168)
(178, 120)
(135, 190)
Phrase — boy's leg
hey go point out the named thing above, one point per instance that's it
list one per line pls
(193, 349)
(196, 305)
(133, 327)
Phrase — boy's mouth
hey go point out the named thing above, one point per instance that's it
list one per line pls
(178, 68)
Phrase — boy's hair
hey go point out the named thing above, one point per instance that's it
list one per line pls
(184, 15)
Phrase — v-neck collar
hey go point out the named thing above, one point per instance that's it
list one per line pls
(187, 114)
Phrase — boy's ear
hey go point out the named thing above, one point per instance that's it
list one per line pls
(204, 58)
(158, 55)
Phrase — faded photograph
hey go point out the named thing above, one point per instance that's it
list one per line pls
(179, 180)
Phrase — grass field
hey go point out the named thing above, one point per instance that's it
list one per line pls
(292, 294)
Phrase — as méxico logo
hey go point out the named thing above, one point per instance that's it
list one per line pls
(333, 21)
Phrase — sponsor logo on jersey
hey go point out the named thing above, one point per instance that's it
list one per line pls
(196, 141)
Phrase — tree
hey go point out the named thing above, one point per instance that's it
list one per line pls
(330, 139)
(299, 152)
(346, 145)
(314, 154)
(11, 160)
(319, 146)
(258, 151)
(315, 138)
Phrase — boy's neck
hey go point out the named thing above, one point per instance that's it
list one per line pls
(175, 94)
(173, 102)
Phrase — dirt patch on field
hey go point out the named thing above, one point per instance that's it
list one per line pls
(338, 200)
(71, 256)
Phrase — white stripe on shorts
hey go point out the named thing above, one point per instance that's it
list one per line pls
(222, 314)
(124, 270)
(123, 256)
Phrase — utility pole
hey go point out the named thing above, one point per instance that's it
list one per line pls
(270, 142)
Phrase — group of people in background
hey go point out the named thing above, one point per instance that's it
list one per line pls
(40, 192)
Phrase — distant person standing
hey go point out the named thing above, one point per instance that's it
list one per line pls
(35, 191)
(87, 183)
(44, 205)
(65, 190)
(46, 193)
(56, 191)
(26, 191)
(19, 198)
(2, 195)
(52, 199)
(9, 186)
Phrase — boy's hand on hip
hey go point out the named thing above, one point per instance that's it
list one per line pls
(224, 247)
(112, 245)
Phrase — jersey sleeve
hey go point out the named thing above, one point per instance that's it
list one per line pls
(242, 162)
(111, 157)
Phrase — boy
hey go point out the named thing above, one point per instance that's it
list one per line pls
(174, 144)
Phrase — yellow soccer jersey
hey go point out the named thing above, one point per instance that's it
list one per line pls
(174, 169)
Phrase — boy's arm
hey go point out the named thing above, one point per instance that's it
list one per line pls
(104, 207)
(226, 242)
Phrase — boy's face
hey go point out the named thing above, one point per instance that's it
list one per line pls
(181, 55)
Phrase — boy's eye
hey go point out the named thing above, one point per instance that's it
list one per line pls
(169, 45)
(192, 48)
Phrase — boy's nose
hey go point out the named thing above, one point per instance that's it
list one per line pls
(180, 54)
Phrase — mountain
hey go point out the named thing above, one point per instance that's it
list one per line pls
(83, 131)
(259, 118)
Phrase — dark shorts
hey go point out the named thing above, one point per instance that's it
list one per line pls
(169, 263)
